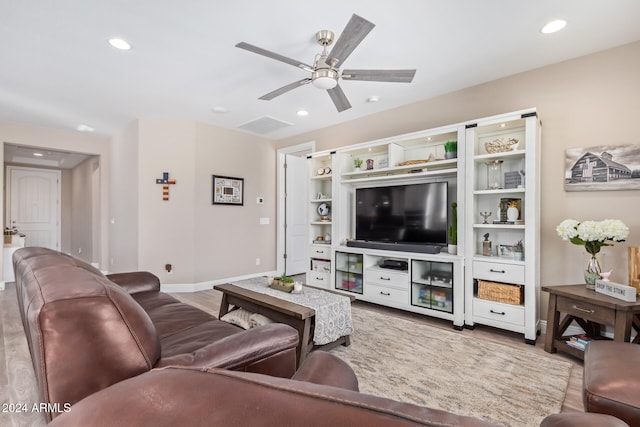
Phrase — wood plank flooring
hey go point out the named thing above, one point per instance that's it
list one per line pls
(18, 384)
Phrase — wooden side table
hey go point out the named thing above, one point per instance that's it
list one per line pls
(590, 310)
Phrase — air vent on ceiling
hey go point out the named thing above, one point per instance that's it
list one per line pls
(264, 125)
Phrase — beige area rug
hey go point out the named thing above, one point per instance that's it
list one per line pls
(412, 362)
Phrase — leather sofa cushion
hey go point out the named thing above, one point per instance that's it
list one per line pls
(216, 397)
(610, 382)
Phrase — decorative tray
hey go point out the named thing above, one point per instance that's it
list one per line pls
(284, 287)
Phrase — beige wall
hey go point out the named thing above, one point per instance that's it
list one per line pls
(123, 216)
(71, 141)
(201, 241)
(83, 221)
(584, 102)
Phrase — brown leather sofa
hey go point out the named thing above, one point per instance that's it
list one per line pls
(611, 383)
(87, 331)
(322, 393)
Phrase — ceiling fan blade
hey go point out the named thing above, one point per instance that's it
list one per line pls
(339, 98)
(285, 89)
(398, 76)
(356, 30)
(272, 55)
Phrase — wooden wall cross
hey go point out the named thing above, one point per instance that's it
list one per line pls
(165, 181)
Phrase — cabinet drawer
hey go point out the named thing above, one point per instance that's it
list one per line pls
(321, 280)
(586, 311)
(495, 272)
(497, 311)
(386, 277)
(385, 295)
(318, 251)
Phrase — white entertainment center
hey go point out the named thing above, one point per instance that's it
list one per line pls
(496, 168)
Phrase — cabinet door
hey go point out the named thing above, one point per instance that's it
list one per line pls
(348, 272)
(432, 285)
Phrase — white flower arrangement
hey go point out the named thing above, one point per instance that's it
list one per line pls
(593, 234)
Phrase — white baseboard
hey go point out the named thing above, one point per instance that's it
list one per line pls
(203, 286)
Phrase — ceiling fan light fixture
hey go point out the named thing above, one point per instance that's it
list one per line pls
(325, 78)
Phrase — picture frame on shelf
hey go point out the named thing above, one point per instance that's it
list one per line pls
(227, 190)
(505, 251)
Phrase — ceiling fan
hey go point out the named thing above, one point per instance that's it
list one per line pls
(325, 71)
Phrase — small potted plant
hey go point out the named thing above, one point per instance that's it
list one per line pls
(282, 283)
(451, 149)
(518, 251)
(357, 163)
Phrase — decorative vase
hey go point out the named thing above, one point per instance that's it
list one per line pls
(593, 272)
(512, 214)
(452, 249)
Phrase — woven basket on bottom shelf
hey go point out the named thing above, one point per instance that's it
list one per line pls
(501, 292)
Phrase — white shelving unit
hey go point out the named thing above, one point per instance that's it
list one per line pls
(321, 215)
(412, 289)
(440, 285)
(518, 176)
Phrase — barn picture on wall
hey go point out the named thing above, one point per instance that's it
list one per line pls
(605, 167)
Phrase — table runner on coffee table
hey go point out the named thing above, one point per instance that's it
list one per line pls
(333, 311)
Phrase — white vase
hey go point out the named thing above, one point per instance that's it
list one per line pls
(452, 249)
(512, 214)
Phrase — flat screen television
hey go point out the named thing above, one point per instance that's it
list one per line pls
(402, 217)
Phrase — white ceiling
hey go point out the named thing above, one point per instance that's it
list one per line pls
(56, 68)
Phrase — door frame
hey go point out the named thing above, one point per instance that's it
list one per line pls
(7, 202)
(304, 148)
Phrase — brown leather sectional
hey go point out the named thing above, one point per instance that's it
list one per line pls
(87, 332)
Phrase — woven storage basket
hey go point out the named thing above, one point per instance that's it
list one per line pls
(501, 292)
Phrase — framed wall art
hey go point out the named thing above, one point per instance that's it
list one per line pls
(228, 190)
(604, 167)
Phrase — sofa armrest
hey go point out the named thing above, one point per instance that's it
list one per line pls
(324, 368)
(582, 419)
(268, 349)
(136, 281)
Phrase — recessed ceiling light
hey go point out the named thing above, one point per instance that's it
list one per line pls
(38, 154)
(84, 128)
(219, 110)
(553, 26)
(120, 44)
(373, 99)
(303, 113)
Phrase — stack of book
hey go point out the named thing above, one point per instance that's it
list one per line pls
(579, 341)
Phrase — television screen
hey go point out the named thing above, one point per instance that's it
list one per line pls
(414, 213)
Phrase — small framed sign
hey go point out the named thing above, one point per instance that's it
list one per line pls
(616, 290)
(228, 190)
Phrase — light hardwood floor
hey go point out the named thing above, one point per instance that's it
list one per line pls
(17, 380)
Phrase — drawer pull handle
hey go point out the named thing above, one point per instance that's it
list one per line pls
(584, 310)
(497, 271)
(385, 293)
(501, 313)
(319, 278)
(385, 278)
(319, 252)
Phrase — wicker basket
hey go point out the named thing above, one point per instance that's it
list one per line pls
(501, 292)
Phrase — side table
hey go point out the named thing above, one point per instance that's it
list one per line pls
(590, 310)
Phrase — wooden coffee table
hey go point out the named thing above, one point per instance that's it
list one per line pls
(297, 316)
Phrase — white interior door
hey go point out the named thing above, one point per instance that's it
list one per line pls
(33, 205)
(296, 224)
